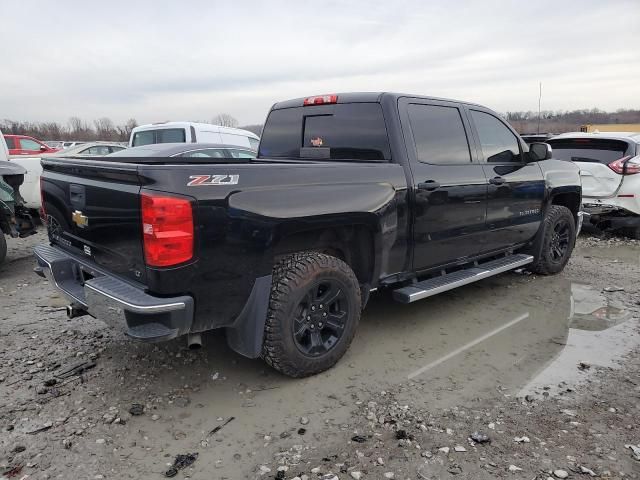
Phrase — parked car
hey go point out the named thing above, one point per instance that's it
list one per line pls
(31, 187)
(199, 150)
(90, 149)
(190, 132)
(15, 219)
(23, 145)
(71, 144)
(349, 193)
(610, 171)
(57, 144)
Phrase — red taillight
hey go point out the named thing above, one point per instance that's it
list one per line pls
(320, 100)
(632, 166)
(167, 228)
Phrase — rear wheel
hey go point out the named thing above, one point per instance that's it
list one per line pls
(558, 239)
(3, 247)
(314, 310)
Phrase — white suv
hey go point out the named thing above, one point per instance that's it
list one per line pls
(610, 172)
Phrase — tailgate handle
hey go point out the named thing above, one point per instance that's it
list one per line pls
(77, 195)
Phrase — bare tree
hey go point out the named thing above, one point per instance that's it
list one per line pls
(124, 131)
(105, 130)
(225, 120)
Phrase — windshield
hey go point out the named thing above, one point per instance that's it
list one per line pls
(351, 131)
(596, 150)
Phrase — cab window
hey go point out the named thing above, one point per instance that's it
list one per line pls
(499, 144)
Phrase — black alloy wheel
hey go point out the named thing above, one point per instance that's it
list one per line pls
(320, 318)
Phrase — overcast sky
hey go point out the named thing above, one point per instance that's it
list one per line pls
(189, 60)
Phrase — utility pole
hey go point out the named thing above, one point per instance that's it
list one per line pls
(539, 103)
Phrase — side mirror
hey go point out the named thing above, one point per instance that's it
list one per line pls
(540, 151)
(43, 148)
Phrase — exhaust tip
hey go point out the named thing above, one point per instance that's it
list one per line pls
(194, 341)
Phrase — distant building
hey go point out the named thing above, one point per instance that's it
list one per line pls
(610, 127)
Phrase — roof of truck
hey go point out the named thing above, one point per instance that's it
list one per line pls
(366, 97)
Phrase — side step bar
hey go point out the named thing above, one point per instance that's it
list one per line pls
(449, 281)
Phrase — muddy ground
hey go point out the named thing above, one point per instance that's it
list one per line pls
(551, 359)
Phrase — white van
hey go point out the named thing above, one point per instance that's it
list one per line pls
(191, 132)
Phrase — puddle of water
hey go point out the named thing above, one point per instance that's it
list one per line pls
(619, 253)
(599, 334)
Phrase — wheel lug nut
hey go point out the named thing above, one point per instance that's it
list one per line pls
(321, 306)
(308, 317)
(324, 314)
(313, 307)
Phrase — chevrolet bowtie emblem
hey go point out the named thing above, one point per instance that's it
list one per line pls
(79, 219)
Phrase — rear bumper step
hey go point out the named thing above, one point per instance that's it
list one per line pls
(449, 281)
(114, 301)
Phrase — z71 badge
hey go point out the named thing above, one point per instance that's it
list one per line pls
(202, 180)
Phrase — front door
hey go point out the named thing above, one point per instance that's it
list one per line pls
(516, 189)
(450, 189)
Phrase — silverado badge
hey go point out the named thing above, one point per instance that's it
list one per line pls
(79, 219)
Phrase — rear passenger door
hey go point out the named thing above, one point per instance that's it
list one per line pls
(516, 189)
(449, 187)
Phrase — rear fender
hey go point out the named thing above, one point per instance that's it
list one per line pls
(302, 216)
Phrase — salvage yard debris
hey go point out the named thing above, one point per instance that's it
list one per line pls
(181, 461)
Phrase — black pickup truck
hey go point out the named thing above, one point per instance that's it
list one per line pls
(349, 193)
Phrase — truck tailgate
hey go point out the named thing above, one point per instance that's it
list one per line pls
(93, 209)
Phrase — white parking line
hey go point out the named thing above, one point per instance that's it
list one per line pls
(469, 345)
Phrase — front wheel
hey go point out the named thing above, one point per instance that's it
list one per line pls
(557, 241)
(314, 310)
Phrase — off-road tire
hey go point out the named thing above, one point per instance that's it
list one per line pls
(293, 276)
(545, 264)
(3, 247)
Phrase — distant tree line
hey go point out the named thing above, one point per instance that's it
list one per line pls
(101, 129)
(105, 129)
(568, 121)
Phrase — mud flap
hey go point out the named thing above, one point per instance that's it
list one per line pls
(247, 333)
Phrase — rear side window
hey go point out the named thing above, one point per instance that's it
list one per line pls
(28, 144)
(439, 135)
(351, 131)
(162, 135)
(499, 145)
(588, 150)
(11, 142)
(205, 153)
(241, 154)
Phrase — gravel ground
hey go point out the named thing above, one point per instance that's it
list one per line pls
(543, 372)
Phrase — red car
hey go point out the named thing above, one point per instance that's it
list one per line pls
(23, 145)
